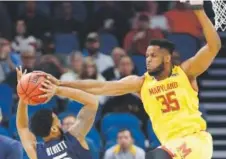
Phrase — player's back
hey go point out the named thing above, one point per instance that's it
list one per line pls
(172, 105)
(68, 147)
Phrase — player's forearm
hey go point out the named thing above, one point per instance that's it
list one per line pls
(22, 115)
(80, 96)
(211, 35)
(82, 84)
(90, 86)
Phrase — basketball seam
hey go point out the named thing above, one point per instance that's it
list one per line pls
(35, 87)
(35, 100)
(22, 88)
(36, 95)
(30, 99)
(28, 82)
(23, 91)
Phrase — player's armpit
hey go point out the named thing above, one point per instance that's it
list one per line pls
(28, 141)
(84, 123)
(198, 64)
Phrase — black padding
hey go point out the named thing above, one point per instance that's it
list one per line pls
(157, 154)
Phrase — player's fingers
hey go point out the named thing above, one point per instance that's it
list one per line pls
(44, 90)
(48, 82)
(43, 96)
(17, 71)
(45, 84)
(49, 77)
(25, 71)
(20, 68)
(47, 92)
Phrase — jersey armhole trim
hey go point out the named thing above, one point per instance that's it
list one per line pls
(195, 91)
(167, 150)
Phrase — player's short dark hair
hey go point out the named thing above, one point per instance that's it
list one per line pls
(41, 122)
(125, 129)
(163, 43)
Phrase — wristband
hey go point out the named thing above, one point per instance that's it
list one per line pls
(196, 7)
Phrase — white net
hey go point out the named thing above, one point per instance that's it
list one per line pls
(219, 8)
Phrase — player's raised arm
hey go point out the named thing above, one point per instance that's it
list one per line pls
(87, 114)
(28, 140)
(204, 57)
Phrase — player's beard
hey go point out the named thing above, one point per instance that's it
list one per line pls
(158, 70)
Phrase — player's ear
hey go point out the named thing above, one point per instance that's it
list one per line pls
(54, 129)
(167, 58)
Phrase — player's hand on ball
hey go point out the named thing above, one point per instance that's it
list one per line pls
(20, 73)
(50, 77)
(49, 89)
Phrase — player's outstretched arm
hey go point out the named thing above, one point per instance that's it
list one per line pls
(204, 57)
(28, 140)
(129, 84)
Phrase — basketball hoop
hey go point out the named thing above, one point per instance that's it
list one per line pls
(219, 8)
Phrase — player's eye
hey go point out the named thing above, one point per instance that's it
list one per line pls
(153, 55)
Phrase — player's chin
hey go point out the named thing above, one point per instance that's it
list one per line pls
(152, 72)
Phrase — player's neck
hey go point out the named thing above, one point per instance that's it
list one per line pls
(164, 74)
(51, 137)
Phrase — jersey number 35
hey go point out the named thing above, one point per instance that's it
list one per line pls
(169, 102)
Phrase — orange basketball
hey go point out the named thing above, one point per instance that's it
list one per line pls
(28, 89)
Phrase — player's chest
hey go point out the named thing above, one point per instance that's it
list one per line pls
(163, 97)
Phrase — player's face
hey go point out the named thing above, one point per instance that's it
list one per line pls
(56, 126)
(154, 60)
(124, 139)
